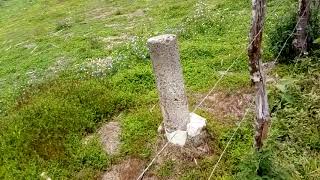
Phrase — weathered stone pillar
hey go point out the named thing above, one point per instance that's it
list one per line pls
(173, 100)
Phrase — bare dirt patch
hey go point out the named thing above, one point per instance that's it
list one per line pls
(232, 104)
(188, 153)
(181, 157)
(126, 170)
(223, 104)
(110, 137)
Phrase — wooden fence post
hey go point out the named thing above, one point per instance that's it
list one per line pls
(257, 76)
(300, 41)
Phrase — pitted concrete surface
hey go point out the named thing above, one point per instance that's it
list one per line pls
(167, 68)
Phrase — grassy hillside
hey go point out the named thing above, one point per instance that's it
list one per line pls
(69, 66)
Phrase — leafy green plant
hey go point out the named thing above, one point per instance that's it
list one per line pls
(280, 35)
(295, 133)
(314, 31)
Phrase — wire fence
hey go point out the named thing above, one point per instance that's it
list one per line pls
(230, 140)
(283, 46)
(211, 91)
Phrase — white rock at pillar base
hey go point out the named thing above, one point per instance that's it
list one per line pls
(194, 128)
(196, 124)
(177, 137)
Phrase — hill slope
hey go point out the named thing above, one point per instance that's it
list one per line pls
(67, 67)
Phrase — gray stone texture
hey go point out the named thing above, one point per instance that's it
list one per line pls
(167, 68)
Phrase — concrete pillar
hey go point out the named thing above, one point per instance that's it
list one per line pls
(173, 100)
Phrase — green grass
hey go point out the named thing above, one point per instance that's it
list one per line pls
(53, 94)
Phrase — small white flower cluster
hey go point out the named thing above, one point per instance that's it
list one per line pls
(199, 17)
(201, 12)
(32, 76)
(58, 66)
(97, 67)
(37, 76)
(138, 47)
(201, 9)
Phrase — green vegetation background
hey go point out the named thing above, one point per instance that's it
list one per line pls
(52, 96)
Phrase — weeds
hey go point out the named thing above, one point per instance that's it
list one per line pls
(282, 31)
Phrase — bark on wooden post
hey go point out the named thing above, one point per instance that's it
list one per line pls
(300, 41)
(257, 76)
(173, 100)
(316, 4)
